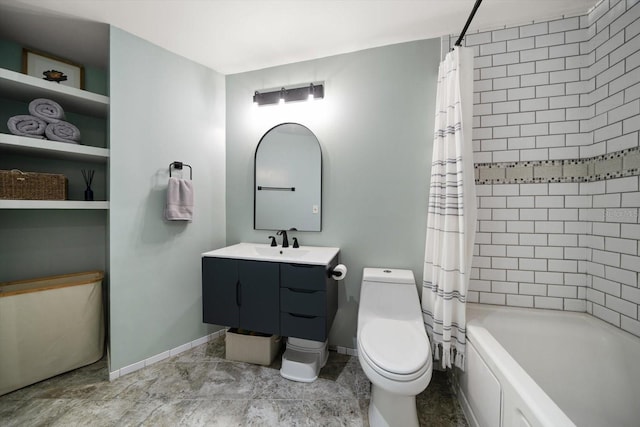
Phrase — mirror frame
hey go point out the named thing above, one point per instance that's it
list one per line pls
(255, 154)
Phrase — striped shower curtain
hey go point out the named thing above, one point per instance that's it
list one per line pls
(451, 218)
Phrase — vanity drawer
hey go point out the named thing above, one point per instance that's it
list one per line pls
(307, 327)
(312, 303)
(302, 276)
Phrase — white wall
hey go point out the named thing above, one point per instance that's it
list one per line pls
(163, 108)
(375, 128)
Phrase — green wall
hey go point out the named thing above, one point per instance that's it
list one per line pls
(163, 108)
(375, 127)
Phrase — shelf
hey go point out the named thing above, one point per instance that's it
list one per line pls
(52, 204)
(26, 88)
(52, 149)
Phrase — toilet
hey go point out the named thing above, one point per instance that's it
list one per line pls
(393, 347)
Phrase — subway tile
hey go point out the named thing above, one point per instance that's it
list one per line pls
(506, 131)
(493, 226)
(564, 24)
(620, 275)
(626, 80)
(506, 107)
(624, 51)
(492, 298)
(606, 314)
(520, 226)
(630, 325)
(548, 303)
(504, 287)
(520, 202)
(596, 296)
(564, 127)
(575, 254)
(534, 129)
(606, 201)
(626, 215)
(615, 10)
(549, 65)
(619, 185)
(633, 60)
(607, 286)
(575, 36)
(539, 103)
(549, 227)
(621, 306)
(550, 40)
(578, 305)
(577, 227)
(493, 120)
(520, 301)
(609, 45)
(631, 294)
(493, 48)
(624, 111)
(630, 262)
(534, 79)
(580, 87)
(483, 85)
(630, 200)
(504, 238)
(563, 214)
(631, 124)
(493, 250)
(549, 201)
(477, 39)
(605, 257)
(506, 82)
(493, 72)
(506, 34)
(515, 275)
(548, 252)
(519, 69)
(518, 144)
(481, 109)
(631, 231)
(492, 274)
(534, 189)
(493, 202)
(534, 29)
(530, 55)
(506, 58)
(564, 76)
(606, 229)
(534, 214)
(506, 189)
(551, 116)
(536, 154)
(479, 285)
(627, 18)
(520, 252)
(608, 132)
(578, 201)
(520, 44)
(532, 289)
(506, 156)
(533, 239)
(521, 93)
(521, 118)
(623, 246)
(632, 30)
(532, 264)
(493, 96)
(567, 101)
(550, 90)
(562, 291)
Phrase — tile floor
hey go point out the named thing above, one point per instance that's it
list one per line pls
(201, 388)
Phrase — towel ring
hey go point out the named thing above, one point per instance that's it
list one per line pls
(178, 166)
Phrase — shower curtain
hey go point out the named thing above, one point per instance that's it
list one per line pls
(452, 212)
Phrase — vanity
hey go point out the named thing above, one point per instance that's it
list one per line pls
(282, 291)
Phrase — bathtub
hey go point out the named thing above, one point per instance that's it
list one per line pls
(533, 367)
(49, 326)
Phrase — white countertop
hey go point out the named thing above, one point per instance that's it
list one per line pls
(314, 255)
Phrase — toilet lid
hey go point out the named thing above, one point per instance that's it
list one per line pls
(395, 346)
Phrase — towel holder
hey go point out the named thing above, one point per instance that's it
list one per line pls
(178, 166)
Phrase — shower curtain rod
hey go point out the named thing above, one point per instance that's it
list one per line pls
(464, 30)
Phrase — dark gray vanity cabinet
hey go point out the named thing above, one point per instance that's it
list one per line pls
(242, 294)
(308, 300)
(292, 300)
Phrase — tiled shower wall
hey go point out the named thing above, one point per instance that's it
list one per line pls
(556, 120)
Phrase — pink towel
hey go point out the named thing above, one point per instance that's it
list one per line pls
(179, 200)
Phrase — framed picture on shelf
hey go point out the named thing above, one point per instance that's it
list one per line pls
(52, 68)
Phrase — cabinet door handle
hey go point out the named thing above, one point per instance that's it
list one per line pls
(302, 291)
(304, 316)
(238, 293)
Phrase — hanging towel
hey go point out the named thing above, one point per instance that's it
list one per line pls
(179, 200)
(25, 125)
(47, 110)
(63, 132)
(452, 212)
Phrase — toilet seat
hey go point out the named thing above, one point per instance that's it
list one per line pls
(395, 349)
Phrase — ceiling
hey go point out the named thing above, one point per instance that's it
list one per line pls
(242, 35)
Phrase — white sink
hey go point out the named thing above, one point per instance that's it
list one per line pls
(316, 255)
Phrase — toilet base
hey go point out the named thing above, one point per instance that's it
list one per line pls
(390, 410)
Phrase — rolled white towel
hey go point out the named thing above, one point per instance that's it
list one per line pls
(63, 132)
(47, 110)
(25, 125)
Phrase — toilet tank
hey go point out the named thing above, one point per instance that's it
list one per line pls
(384, 294)
(388, 275)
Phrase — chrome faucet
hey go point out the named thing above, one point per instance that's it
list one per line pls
(285, 240)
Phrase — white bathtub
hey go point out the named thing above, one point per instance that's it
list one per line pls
(532, 367)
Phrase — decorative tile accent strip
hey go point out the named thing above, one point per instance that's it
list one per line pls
(607, 166)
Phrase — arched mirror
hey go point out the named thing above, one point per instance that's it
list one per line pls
(288, 180)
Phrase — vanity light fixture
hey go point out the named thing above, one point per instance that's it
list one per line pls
(306, 92)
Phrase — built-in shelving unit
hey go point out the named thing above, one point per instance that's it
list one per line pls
(52, 204)
(22, 87)
(52, 149)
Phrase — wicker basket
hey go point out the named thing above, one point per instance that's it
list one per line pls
(18, 185)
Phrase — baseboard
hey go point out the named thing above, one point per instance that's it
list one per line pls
(344, 350)
(164, 355)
